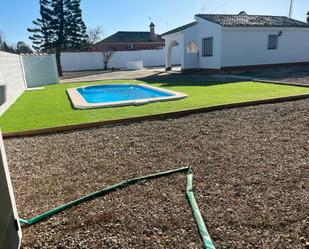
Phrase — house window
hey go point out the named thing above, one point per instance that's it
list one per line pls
(273, 41)
(131, 46)
(207, 44)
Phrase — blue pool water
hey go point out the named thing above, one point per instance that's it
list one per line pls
(116, 93)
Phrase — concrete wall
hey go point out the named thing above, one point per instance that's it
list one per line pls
(12, 76)
(40, 70)
(94, 60)
(242, 47)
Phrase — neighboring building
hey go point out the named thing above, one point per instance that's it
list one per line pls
(227, 41)
(132, 40)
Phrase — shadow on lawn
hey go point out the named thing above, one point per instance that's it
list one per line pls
(189, 79)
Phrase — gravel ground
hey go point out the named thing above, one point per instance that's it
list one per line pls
(251, 167)
(303, 80)
(288, 74)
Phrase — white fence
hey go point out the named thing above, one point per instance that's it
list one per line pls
(40, 70)
(94, 60)
(17, 73)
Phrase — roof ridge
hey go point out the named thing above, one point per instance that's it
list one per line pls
(131, 36)
(183, 27)
(132, 31)
(238, 15)
(245, 20)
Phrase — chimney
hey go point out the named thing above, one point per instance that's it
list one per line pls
(152, 31)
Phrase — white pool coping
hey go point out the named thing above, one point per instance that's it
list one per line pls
(79, 102)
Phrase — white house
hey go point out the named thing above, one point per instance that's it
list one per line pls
(226, 41)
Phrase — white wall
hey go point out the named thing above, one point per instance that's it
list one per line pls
(12, 76)
(191, 61)
(40, 70)
(174, 54)
(94, 60)
(208, 29)
(120, 58)
(153, 58)
(242, 47)
(16, 71)
(196, 33)
(81, 61)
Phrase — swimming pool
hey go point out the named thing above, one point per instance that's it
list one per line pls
(113, 95)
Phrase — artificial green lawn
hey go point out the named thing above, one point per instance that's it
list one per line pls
(51, 107)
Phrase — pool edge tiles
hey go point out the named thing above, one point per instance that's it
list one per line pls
(79, 102)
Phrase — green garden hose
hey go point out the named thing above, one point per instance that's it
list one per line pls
(98, 194)
(207, 242)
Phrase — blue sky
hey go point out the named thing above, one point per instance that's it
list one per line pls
(16, 15)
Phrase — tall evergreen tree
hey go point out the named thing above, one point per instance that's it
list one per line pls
(40, 38)
(2, 39)
(60, 27)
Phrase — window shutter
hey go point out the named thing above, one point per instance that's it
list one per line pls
(207, 46)
(273, 42)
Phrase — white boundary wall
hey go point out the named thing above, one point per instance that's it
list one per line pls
(17, 73)
(40, 70)
(94, 60)
(12, 76)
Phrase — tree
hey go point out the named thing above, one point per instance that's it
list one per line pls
(60, 28)
(8, 48)
(2, 39)
(4, 46)
(40, 38)
(94, 35)
(107, 54)
(308, 17)
(23, 48)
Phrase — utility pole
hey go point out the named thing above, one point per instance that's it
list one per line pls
(291, 8)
